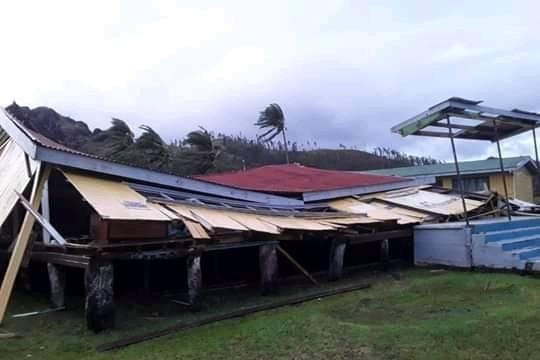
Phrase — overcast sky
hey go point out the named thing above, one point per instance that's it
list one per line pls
(343, 71)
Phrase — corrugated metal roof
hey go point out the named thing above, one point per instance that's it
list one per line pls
(114, 199)
(213, 218)
(465, 167)
(295, 178)
(488, 123)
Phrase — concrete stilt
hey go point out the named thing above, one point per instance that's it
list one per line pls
(337, 253)
(385, 254)
(268, 264)
(194, 281)
(57, 281)
(99, 305)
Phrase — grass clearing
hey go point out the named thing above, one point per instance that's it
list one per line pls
(426, 315)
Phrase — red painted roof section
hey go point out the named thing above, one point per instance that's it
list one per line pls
(295, 178)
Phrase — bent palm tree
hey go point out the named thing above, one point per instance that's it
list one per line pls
(272, 118)
(201, 140)
(206, 149)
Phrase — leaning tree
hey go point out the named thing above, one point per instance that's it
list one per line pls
(272, 120)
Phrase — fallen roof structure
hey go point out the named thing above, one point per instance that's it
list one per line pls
(308, 183)
(94, 211)
(103, 211)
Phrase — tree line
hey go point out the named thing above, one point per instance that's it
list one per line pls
(202, 151)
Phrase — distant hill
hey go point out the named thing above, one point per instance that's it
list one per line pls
(233, 152)
(49, 123)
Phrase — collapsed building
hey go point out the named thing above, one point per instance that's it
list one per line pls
(95, 213)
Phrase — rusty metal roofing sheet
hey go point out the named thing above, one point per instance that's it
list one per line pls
(296, 178)
(114, 199)
(223, 218)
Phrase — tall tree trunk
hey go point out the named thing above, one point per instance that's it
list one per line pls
(285, 144)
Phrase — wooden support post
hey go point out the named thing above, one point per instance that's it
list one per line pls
(337, 253)
(99, 305)
(23, 237)
(45, 212)
(194, 281)
(57, 280)
(268, 264)
(385, 254)
(146, 288)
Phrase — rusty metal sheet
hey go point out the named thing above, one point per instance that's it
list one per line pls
(293, 223)
(373, 211)
(252, 222)
(114, 199)
(212, 218)
(196, 230)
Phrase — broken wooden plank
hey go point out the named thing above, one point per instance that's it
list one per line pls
(40, 219)
(380, 235)
(22, 240)
(295, 263)
(39, 312)
(230, 315)
(9, 335)
(70, 260)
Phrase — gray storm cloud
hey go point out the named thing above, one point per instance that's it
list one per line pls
(344, 71)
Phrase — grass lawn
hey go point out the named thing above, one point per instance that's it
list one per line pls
(425, 315)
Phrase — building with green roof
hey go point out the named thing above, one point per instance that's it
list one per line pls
(479, 175)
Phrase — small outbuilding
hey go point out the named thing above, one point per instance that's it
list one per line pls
(478, 176)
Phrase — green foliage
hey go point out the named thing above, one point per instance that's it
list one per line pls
(201, 151)
(200, 140)
(148, 151)
(273, 120)
(107, 143)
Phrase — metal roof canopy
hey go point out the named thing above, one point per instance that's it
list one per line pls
(493, 124)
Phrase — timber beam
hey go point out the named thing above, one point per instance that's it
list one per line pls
(70, 260)
(380, 235)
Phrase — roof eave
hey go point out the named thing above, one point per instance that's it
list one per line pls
(20, 137)
(369, 189)
(76, 161)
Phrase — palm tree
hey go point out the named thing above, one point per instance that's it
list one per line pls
(110, 142)
(205, 150)
(148, 151)
(201, 140)
(272, 118)
(120, 134)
